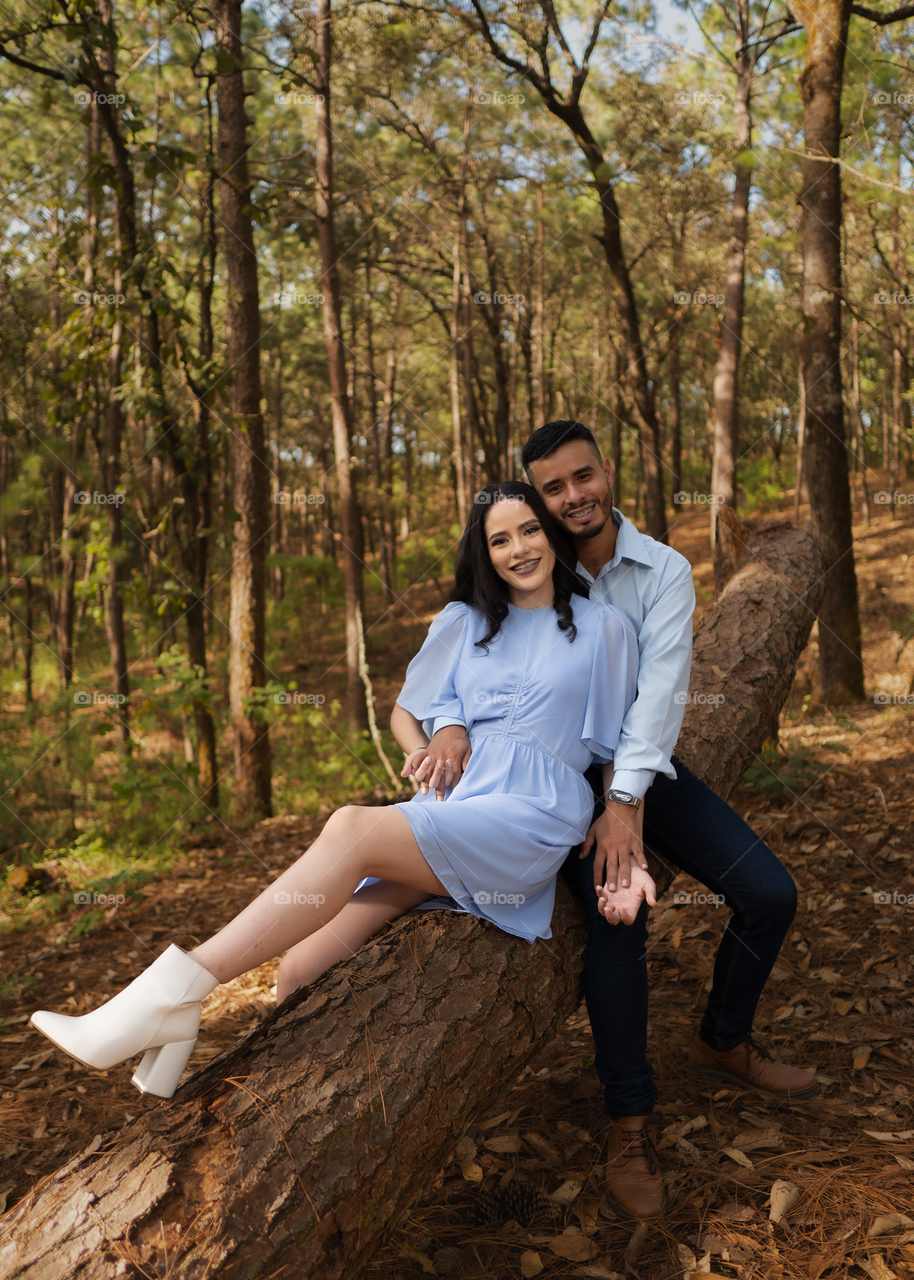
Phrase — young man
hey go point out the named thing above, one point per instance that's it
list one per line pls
(655, 800)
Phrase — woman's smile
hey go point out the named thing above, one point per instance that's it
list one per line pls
(520, 552)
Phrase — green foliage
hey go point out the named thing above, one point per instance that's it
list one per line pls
(781, 778)
(326, 765)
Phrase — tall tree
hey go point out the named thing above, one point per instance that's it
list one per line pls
(336, 357)
(536, 31)
(840, 675)
(250, 473)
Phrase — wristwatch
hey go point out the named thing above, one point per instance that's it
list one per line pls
(623, 797)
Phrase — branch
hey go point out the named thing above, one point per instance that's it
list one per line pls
(858, 173)
(883, 19)
(33, 66)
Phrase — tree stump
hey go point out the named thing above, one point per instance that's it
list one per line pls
(297, 1152)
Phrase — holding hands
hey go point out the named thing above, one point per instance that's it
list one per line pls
(620, 875)
(441, 763)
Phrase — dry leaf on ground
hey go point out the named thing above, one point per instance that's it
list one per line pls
(784, 1195)
(739, 1156)
(889, 1222)
(574, 1248)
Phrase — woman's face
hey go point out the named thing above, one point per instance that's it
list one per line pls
(520, 552)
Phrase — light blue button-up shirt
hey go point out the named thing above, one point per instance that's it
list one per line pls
(652, 585)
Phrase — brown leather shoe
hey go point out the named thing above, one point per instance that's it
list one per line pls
(750, 1066)
(634, 1184)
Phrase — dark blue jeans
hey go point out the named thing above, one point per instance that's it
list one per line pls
(687, 825)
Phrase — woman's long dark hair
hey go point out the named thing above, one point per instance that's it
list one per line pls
(476, 583)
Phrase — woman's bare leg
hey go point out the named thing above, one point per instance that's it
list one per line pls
(367, 912)
(354, 843)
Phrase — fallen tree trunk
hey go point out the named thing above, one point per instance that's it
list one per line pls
(296, 1153)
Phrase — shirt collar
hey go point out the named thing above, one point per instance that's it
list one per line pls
(630, 547)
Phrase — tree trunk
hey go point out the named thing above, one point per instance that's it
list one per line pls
(198, 489)
(303, 1146)
(539, 372)
(460, 463)
(251, 478)
(124, 250)
(336, 357)
(859, 431)
(69, 540)
(726, 376)
(114, 613)
(840, 675)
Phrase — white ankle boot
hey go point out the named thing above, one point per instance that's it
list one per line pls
(159, 1012)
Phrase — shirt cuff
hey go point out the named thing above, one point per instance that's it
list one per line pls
(635, 781)
(443, 722)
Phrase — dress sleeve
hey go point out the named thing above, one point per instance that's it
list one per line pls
(429, 690)
(613, 684)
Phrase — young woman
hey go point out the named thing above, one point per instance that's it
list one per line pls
(542, 678)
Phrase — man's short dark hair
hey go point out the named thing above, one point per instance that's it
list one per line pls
(545, 440)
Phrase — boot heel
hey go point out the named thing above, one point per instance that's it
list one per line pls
(161, 1069)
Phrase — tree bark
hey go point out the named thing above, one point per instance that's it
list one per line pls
(251, 478)
(840, 674)
(124, 252)
(303, 1146)
(336, 357)
(461, 476)
(726, 376)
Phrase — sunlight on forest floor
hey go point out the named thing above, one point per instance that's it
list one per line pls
(833, 800)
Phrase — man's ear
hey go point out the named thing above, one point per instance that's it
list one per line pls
(608, 471)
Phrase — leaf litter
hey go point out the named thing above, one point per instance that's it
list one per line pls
(840, 999)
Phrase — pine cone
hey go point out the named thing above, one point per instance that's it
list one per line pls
(527, 1206)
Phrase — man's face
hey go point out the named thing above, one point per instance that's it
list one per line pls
(575, 485)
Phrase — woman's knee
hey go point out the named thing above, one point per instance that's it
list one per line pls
(346, 824)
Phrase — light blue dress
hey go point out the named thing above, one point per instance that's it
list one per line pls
(539, 709)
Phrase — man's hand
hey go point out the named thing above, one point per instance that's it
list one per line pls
(441, 764)
(617, 835)
(622, 906)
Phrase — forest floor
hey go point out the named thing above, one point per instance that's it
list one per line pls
(833, 800)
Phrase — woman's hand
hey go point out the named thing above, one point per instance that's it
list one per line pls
(621, 906)
(430, 769)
